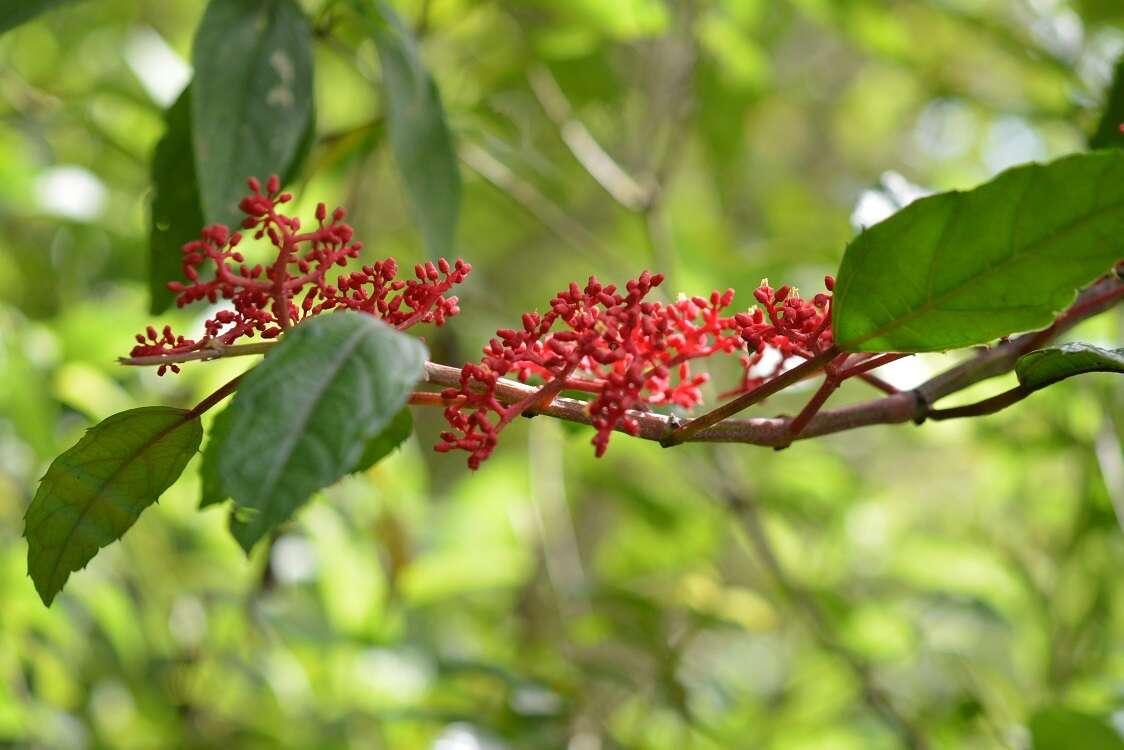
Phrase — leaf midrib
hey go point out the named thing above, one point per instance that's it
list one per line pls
(288, 445)
(148, 444)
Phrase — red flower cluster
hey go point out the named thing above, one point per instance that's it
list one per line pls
(629, 352)
(789, 325)
(264, 298)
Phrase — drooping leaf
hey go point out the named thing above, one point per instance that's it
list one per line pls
(1108, 134)
(13, 13)
(1060, 728)
(378, 448)
(251, 98)
(211, 491)
(93, 493)
(302, 418)
(419, 134)
(964, 268)
(386, 441)
(1048, 366)
(176, 216)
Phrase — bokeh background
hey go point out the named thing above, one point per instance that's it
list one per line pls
(955, 585)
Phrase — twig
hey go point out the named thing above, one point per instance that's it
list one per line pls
(758, 394)
(214, 350)
(905, 406)
(225, 390)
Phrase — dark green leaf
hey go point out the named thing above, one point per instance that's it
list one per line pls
(304, 148)
(958, 269)
(93, 493)
(1108, 133)
(1059, 728)
(419, 134)
(176, 214)
(302, 418)
(380, 446)
(1047, 366)
(211, 491)
(251, 97)
(15, 12)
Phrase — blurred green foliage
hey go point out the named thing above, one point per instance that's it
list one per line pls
(954, 583)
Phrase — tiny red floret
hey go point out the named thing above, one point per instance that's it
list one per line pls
(265, 300)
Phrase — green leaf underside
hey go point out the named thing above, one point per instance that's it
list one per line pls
(1059, 728)
(251, 98)
(176, 216)
(95, 491)
(1108, 133)
(386, 441)
(965, 268)
(1048, 366)
(419, 134)
(301, 419)
(210, 484)
(15, 12)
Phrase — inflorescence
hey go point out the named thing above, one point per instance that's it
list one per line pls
(626, 352)
(268, 299)
(630, 353)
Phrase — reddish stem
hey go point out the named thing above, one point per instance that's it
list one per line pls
(823, 393)
(225, 390)
(870, 364)
(760, 393)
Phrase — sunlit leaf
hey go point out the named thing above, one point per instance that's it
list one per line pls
(1048, 366)
(93, 493)
(251, 99)
(302, 418)
(176, 216)
(964, 268)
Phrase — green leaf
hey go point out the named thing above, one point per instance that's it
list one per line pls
(1048, 366)
(252, 97)
(93, 493)
(301, 419)
(419, 135)
(15, 12)
(378, 448)
(211, 491)
(1108, 133)
(1060, 728)
(958, 269)
(386, 441)
(176, 215)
